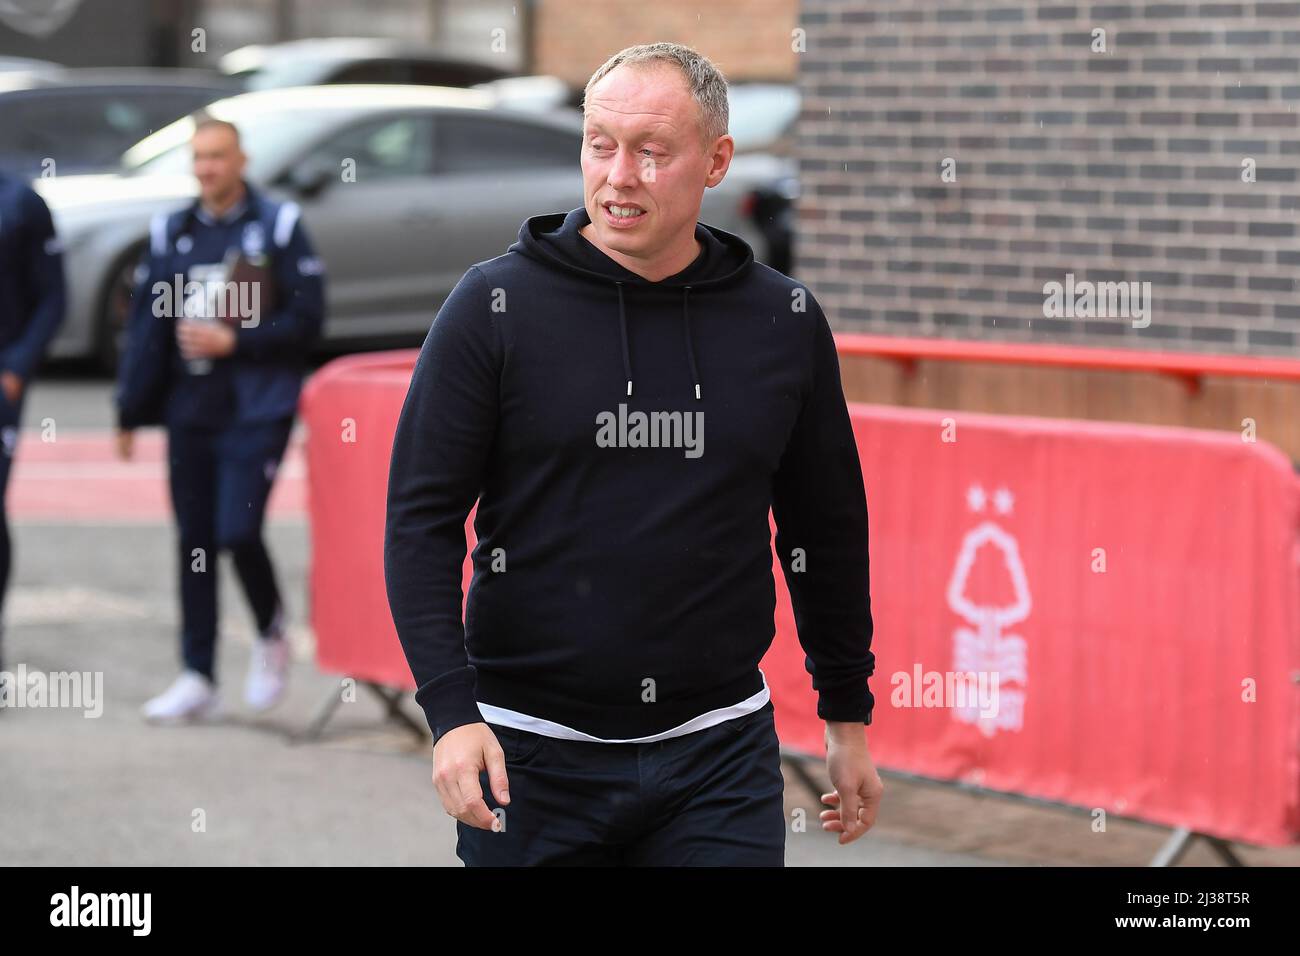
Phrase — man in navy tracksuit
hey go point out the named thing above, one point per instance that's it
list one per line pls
(32, 300)
(223, 320)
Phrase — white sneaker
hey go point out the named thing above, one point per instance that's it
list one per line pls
(191, 697)
(268, 670)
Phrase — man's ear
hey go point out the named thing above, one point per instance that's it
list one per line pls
(721, 154)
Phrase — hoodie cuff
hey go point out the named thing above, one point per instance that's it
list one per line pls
(448, 701)
(125, 420)
(849, 703)
(17, 364)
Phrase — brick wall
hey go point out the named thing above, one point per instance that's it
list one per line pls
(746, 39)
(1116, 166)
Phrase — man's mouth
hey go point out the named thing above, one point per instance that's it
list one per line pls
(624, 210)
(622, 215)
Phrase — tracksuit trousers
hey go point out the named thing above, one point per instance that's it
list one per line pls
(221, 478)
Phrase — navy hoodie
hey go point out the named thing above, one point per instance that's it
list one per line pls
(625, 440)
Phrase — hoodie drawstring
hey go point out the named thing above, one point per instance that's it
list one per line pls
(686, 330)
(622, 324)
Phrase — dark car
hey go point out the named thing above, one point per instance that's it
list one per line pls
(317, 62)
(82, 121)
(764, 114)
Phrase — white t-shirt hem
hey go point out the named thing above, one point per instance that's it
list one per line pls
(549, 728)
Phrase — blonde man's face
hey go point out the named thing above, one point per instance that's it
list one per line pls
(642, 147)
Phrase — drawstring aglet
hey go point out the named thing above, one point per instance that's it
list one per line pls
(629, 386)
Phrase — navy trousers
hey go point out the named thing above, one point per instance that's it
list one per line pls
(714, 797)
(10, 422)
(220, 480)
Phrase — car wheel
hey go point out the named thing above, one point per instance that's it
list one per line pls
(115, 310)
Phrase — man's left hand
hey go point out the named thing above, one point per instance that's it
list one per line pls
(858, 790)
(12, 383)
(200, 339)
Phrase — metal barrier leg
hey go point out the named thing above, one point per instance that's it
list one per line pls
(1173, 848)
(393, 711)
(1224, 849)
(324, 712)
(798, 764)
(392, 700)
(1180, 842)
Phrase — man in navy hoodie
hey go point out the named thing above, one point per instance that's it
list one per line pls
(32, 298)
(230, 303)
(626, 394)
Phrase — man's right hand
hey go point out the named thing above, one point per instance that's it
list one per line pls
(125, 443)
(460, 755)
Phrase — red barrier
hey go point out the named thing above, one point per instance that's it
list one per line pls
(1189, 367)
(350, 407)
(1133, 590)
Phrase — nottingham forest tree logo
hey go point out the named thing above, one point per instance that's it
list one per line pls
(989, 590)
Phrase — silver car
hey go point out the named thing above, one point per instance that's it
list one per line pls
(402, 188)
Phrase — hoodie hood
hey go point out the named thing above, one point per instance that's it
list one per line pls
(554, 241)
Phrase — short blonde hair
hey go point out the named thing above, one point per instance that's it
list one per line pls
(707, 84)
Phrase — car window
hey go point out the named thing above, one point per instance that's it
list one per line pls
(373, 71)
(106, 121)
(24, 147)
(392, 148)
(289, 72)
(271, 139)
(31, 131)
(489, 144)
(434, 73)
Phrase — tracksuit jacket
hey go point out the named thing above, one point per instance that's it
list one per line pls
(261, 380)
(625, 440)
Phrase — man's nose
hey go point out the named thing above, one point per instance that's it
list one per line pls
(625, 173)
